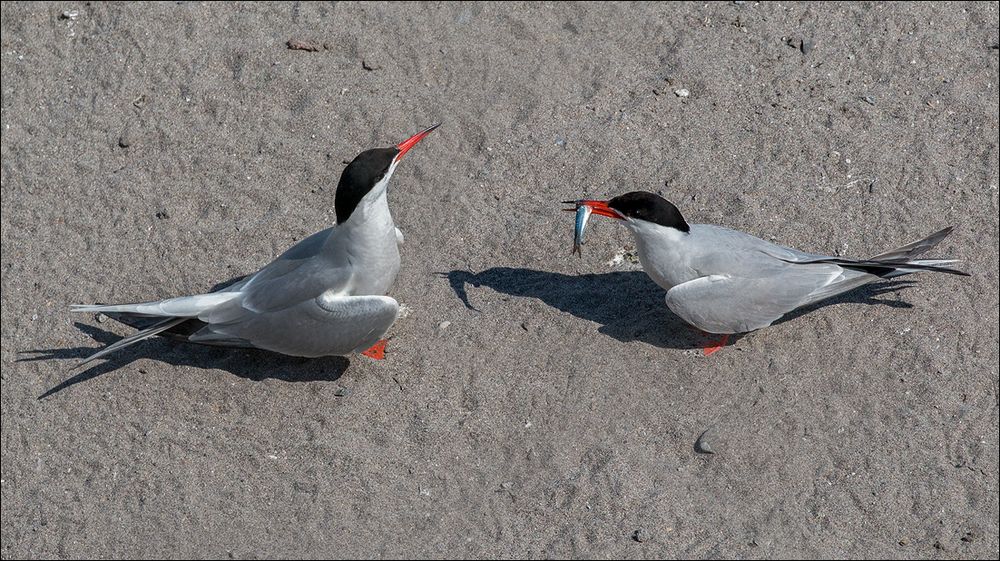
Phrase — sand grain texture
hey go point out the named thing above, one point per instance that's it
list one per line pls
(153, 150)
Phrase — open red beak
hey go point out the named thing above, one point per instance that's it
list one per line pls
(597, 207)
(405, 145)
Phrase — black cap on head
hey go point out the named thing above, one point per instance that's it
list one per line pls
(651, 208)
(359, 177)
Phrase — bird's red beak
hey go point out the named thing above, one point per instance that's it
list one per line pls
(597, 207)
(405, 145)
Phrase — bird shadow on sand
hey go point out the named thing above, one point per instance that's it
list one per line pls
(251, 364)
(628, 305)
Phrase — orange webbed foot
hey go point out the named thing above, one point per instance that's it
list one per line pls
(377, 352)
(715, 346)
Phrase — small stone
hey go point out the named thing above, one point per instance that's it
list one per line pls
(370, 66)
(560, 142)
(682, 92)
(162, 214)
(101, 318)
(869, 100)
(34, 317)
(640, 535)
(301, 45)
(806, 46)
(342, 392)
(443, 325)
(69, 14)
(125, 140)
(702, 445)
(506, 485)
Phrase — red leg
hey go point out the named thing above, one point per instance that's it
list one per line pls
(377, 351)
(714, 346)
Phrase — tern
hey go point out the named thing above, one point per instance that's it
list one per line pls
(325, 296)
(724, 281)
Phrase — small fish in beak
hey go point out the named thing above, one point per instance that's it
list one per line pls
(583, 212)
(582, 216)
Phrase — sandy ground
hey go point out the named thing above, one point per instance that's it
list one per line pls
(532, 403)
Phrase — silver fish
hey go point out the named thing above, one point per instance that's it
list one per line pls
(582, 216)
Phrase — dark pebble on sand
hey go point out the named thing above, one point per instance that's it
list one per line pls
(162, 214)
(640, 535)
(806, 46)
(300, 45)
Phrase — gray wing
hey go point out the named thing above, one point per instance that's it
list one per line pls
(301, 273)
(731, 304)
(324, 326)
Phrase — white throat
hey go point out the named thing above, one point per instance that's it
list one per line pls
(660, 250)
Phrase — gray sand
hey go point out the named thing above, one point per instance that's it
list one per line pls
(155, 150)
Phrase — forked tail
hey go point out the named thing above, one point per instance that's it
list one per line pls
(903, 260)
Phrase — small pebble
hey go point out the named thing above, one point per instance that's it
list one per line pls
(125, 140)
(342, 392)
(370, 66)
(806, 46)
(640, 535)
(443, 325)
(162, 214)
(69, 14)
(703, 445)
(301, 45)
(868, 99)
(683, 92)
(101, 318)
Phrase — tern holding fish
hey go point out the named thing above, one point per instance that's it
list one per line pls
(723, 281)
(324, 296)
